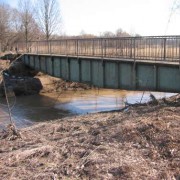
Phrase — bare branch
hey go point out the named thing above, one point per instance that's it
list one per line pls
(48, 17)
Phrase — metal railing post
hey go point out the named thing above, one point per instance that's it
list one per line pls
(93, 48)
(66, 48)
(105, 48)
(102, 48)
(77, 47)
(131, 51)
(47, 44)
(164, 56)
(134, 49)
(37, 47)
(49, 47)
(116, 48)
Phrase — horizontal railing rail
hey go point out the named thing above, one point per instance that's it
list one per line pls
(165, 48)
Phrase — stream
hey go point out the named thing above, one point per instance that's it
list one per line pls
(26, 110)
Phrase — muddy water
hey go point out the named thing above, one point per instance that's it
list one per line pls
(29, 109)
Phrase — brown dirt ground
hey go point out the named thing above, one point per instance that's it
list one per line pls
(52, 84)
(142, 142)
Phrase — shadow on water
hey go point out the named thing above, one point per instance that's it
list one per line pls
(30, 109)
(38, 108)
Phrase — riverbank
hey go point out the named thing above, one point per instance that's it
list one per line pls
(23, 80)
(141, 142)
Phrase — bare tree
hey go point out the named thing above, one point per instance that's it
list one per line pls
(15, 21)
(26, 16)
(15, 32)
(48, 16)
(4, 25)
(29, 26)
(8, 26)
(121, 33)
(108, 34)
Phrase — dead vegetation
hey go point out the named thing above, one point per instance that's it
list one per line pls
(140, 143)
(10, 133)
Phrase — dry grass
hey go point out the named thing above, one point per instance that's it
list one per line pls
(141, 143)
(4, 64)
(154, 52)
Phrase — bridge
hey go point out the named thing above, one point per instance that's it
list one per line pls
(132, 63)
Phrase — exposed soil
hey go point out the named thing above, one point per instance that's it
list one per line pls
(26, 81)
(52, 84)
(141, 142)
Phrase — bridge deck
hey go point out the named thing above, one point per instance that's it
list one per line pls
(175, 63)
(111, 73)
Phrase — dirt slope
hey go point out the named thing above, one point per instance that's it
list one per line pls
(142, 142)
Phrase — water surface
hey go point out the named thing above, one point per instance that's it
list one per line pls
(35, 108)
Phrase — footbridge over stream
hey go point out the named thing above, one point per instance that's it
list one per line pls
(131, 63)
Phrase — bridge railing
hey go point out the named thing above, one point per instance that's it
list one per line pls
(166, 48)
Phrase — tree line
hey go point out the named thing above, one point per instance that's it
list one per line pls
(39, 21)
(28, 22)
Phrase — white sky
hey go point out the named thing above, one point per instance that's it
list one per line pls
(145, 17)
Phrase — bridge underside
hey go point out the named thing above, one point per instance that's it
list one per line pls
(110, 73)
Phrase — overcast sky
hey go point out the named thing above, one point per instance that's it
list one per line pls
(145, 17)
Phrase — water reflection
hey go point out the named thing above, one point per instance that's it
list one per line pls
(53, 106)
(103, 100)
